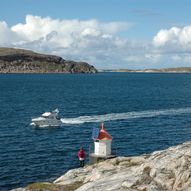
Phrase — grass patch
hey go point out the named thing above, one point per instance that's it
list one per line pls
(42, 186)
(46, 186)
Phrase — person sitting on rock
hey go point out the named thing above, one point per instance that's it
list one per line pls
(81, 156)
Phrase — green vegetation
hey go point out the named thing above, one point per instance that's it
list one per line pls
(42, 186)
(46, 186)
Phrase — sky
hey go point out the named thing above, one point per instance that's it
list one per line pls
(109, 34)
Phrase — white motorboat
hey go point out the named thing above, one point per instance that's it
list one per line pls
(47, 119)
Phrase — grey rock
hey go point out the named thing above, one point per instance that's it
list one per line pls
(168, 170)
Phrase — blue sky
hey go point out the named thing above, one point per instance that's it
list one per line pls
(105, 33)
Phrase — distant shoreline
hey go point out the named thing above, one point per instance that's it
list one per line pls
(163, 70)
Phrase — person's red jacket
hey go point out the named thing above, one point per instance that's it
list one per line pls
(81, 154)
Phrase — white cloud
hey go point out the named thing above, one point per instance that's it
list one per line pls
(174, 39)
(98, 43)
(153, 57)
(176, 58)
(165, 36)
(89, 40)
(7, 36)
(133, 58)
(90, 32)
(174, 46)
(66, 33)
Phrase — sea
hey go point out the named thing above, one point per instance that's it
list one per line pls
(143, 112)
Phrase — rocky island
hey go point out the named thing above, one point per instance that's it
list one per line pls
(24, 61)
(166, 170)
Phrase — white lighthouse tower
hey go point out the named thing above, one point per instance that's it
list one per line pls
(102, 145)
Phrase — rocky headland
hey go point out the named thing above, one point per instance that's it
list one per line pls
(166, 170)
(24, 61)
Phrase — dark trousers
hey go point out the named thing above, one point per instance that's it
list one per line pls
(81, 163)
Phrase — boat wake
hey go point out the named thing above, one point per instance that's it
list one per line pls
(126, 115)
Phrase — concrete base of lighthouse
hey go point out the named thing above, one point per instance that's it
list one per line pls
(93, 158)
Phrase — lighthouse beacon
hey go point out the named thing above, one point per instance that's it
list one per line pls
(102, 145)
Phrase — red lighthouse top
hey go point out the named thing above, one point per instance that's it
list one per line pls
(103, 134)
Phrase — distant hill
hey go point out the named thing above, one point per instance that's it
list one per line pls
(163, 70)
(24, 61)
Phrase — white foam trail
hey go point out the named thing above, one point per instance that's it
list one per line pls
(126, 115)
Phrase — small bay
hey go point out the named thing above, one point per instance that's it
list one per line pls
(143, 112)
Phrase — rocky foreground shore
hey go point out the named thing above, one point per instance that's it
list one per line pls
(24, 61)
(167, 170)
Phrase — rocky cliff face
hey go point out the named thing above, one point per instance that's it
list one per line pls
(167, 170)
(24, 61)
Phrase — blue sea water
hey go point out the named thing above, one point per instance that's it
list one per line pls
(143, 112)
